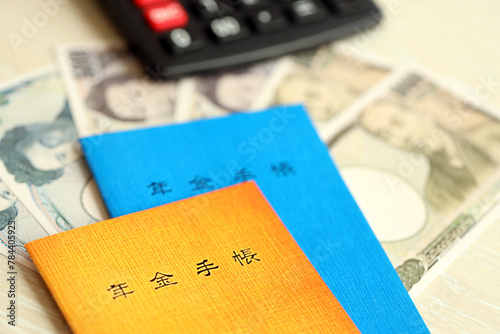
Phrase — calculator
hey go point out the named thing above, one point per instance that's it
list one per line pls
(179, 37)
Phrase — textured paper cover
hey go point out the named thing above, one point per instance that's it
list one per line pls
(281, 150)
(277, 291)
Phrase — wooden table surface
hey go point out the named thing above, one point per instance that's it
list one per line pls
(457, 39)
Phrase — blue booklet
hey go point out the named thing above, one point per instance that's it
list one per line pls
(280, 150)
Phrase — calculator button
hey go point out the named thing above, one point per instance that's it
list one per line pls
(182, 40)
(210, 9)
(228, 28)
(247, 4)
(349, 6)
(166, 16)
(269, 19)
(305, 11)
(144, 3)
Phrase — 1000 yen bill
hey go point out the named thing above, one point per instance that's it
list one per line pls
(40, 157)
(109, 90)
(226, 92)
(423, 163)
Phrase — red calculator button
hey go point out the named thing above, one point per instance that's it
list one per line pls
(166, 16)
(144, 3)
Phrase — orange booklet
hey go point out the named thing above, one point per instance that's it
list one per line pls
(221, 262)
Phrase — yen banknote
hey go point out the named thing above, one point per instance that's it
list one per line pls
(40, 157)
(17, 227)
(226, 92)
(109, 90)
(423, 163)
(326, 80)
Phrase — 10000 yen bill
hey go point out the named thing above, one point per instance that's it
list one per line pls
(240, 90)
(17, 227)
(109, 90)
(424, 167)
(326, 80)
(40, 158)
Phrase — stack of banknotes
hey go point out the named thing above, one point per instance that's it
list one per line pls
(418, 152)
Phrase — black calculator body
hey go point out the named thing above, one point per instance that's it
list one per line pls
(180, 37)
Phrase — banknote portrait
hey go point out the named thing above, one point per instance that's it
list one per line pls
(432, 161)
(45, 156)
(131, 99)
(38, 153)
(234, 90)
(109, 89)
(326, 81)
(457, 164)
(323, 96)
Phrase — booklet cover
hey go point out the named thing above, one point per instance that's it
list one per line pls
(220, 262)
(280, 149)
